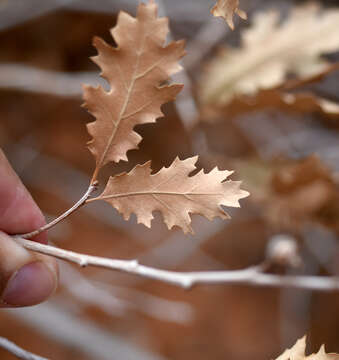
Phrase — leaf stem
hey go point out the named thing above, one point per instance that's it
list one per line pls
(94, 181)
(75, 207)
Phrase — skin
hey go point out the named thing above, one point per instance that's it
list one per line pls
(26, 278)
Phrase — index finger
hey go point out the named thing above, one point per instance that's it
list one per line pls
(18, 212)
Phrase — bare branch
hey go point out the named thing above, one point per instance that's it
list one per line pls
(18, 12)
(33, 79)
(18, 351)
(253, 276)
(75, 207)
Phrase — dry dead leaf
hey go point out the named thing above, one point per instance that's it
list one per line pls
(281, 98)
(226, 9)
(136, 70)
(310, 103)
(297, 352)
(302, 192)
(290, 212)
(270, 51)
(173, 192)
(275, 99)
(300, 173)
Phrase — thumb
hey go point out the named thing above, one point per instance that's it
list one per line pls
(25, 278)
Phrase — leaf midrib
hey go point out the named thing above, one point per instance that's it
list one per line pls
(144, 193)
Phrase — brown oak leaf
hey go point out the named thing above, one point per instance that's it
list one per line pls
(226, 9)
(137, 71)
(173, 192)
(297, 352)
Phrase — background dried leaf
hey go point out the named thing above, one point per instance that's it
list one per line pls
(270, 51)
(226, 9)
(294, 96)
(275, 99)
(300, 193)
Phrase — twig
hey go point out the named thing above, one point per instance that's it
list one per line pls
(76, 206)
(18, 351)
(253, 276)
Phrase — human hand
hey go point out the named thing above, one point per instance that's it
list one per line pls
(25, 278)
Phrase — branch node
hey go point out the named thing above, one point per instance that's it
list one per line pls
(187, 283)
(283, 250)
(83, 262)
(133, 264)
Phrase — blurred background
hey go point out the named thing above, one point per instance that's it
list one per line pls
(98, 314)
